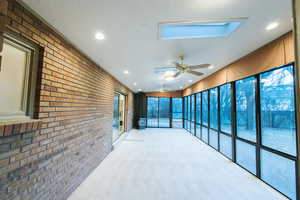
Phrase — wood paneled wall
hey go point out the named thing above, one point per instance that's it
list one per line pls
(165, 94)
(277, 53)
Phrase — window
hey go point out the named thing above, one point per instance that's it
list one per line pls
(152, 112)
(278, 127)
(226, 145)
(269, 146)
(176, 112)
(213, 138)
(245, 109)
(205, 134)
(18, 89)
(185, 108)
(213, 112)
(193, 108)
(279, 172)
(187, 30)
(205, 108)
(189, 108)
(198, 108)
(225, 108)
(246, 156)
(198, 131)
(164, 112)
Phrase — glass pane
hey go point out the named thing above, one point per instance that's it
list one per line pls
(13, 77)
(116, 120)
(198, 131)
(205, 108)
(164, 112)
(152, 112)
(193, 107)
(245, 108)
(225, 108)
(177, 108)
(193, 128)
(177, 112)
(226, 145)
(213, 95)
(279, 172)
(189, 108)
(213, 138)
(278, 110)
(198, 107)
(185, 107)
(205, 134)
(188, 125)
(246, 155)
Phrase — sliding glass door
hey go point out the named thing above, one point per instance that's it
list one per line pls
(119, 115)
(158, 112)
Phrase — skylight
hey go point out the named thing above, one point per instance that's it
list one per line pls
(172, 31)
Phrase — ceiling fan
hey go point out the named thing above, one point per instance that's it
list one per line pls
(180, 68)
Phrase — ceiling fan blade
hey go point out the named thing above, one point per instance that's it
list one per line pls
(164, 69)
(177, 74)
(196, 73)
(179, 67)
(203, 66)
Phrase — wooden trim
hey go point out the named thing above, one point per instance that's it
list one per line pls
(164, 94)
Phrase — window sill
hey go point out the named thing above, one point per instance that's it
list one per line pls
(8, 128)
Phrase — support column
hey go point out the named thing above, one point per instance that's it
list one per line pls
(296, 15)
(3, 13)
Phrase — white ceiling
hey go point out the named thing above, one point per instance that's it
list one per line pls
(131, 29)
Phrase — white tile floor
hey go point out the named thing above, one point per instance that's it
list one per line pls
(170, 164)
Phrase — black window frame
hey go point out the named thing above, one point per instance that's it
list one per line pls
(258, 144)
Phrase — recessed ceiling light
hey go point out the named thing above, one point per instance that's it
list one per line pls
(272, 26)
(190, 81)
(135, 83)
(126, 72)
(211, 67)
(99, 36)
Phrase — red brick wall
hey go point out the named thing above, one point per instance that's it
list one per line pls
(48, 159)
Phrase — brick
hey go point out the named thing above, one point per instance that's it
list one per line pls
(3, 7)
(4, 162)
(4, 148)
(1, 131)
(8, 130)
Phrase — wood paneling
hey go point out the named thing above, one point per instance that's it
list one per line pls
(277, 53)
(289, 48)
(263, 59)
(165, 94)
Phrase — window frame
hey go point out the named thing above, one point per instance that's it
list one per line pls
(258, 144)
(31, 77)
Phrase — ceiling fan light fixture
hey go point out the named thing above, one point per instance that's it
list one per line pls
(169, 78)
(169, 73)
